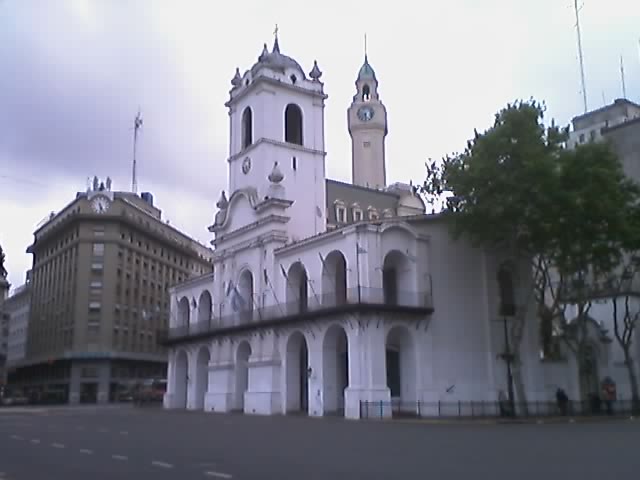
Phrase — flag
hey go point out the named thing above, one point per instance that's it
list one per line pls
(359, 249)
(237, 300)
(138, 121)
(266, 277)
(284, 272)
(229, 286)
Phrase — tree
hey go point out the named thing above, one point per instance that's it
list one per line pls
(516, 189)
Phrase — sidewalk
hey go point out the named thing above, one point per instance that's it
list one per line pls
(511, 421)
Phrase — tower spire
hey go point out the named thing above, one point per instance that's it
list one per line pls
(276, 45)
(624, 85)
(365, 47)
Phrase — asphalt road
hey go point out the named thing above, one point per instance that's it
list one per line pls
(139, 444)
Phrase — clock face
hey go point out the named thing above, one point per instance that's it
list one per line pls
(246, 165)
(365, 113)
(100, 204)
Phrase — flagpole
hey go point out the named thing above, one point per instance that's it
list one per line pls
(358, 270)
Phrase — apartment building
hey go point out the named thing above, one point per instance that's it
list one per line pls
(102, 269)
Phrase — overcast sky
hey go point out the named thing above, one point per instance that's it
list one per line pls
(73, 74)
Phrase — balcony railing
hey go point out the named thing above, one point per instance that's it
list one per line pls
(315, 305)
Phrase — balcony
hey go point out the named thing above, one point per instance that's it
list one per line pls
(355, 300)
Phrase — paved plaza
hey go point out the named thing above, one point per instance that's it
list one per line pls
(123, 442)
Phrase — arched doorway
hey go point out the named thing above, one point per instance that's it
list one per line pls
(184, 311)
(204, 308)
(297, 288)
(181, 379)
(242, 297)
(396, 280)
(242, 374)
(589, 376)
(334, 279)
(202, 377)
(335, 369)
(401, 367)
(297, 377)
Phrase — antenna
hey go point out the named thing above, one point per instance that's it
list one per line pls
(137, 123)
(365, 45)
(624, 86)
(604, 100)
(580, 56)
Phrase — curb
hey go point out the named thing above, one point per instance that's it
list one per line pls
(497, 421)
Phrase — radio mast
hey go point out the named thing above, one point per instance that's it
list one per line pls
(137, 124)
(580, 56)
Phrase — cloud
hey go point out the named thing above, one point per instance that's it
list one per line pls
(75, 73)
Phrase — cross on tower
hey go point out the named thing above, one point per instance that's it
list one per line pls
(275, 31)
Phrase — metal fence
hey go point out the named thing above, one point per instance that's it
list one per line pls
(226, 317)
(492, 409)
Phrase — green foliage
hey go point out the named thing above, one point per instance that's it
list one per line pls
(516, 187)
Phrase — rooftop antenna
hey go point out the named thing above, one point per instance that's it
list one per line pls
(604, 100)
(624, 86)
(365, 46)
(137, 124)
(580, 56)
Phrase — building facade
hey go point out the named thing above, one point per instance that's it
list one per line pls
(102, 269)
(17, 308)
(326, 294)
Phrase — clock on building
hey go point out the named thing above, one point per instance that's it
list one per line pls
(100, 204)
(365, 113)
(246, 165)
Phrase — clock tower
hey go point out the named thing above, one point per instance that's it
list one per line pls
(367, 120)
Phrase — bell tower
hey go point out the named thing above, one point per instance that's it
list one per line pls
(367, 120)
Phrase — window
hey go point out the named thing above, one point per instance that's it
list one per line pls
(592, 135)
(366, 93)
(247, 127)
(341, 214)
(582, 138)
(366, 144)
(98, 249)
(358, 216)
(95, 306)
(293, 124)
(373, 214)
(98, 231)
(294, 163)
(97, 266)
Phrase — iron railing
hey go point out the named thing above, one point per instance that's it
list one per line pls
(313, 304)
(492, 409)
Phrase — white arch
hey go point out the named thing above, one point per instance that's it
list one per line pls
(296, 372)
(205, 304)
(242, 356)
(184, 312)
(181, 378)
(202, 358)
(335, 368)
(401, 366)
(334, 278)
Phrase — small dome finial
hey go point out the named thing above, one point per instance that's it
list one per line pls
(276, 175)
(264, 54)
(236, 80)
(315, 72)
(222, 203)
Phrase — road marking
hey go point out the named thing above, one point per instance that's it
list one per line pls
(103, 430)
(16, 437)
(57, 445)
(124, 433)
(218, 474)
(86, 452)
(35, 441)
(155, 463)
(119, 457)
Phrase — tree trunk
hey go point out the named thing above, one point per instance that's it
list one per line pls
(517, 332)
(633, 381)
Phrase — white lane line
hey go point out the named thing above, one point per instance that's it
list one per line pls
(86, 452)
(119, 457)
(218, 474)
(103, 430)
(155, 463)
(57, 445)
(124, 432)
(16, 437)
(35, 441)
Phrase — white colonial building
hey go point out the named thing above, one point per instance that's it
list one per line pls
(326, 294)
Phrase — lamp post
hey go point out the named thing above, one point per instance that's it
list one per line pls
(508, 357)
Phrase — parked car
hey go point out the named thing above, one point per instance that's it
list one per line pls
(9, 398)
(150, 391)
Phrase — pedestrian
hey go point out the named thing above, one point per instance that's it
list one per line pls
(562, 400)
